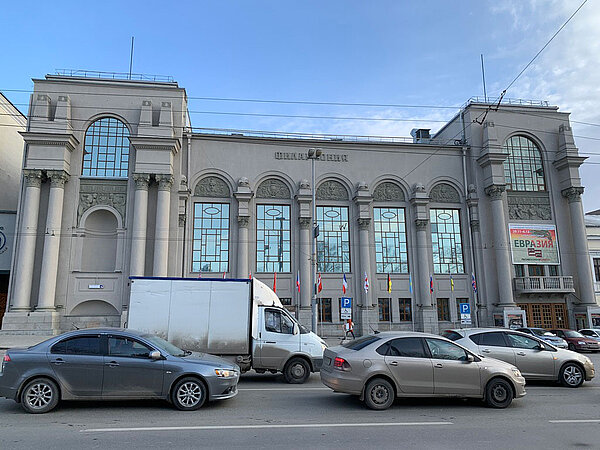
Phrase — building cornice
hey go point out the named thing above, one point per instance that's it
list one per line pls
(67, 140)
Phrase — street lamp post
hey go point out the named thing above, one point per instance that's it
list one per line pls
(313, 155)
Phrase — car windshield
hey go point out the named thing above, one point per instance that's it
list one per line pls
(359, 343)
(166, 346)
(538, 331)
(573, 334)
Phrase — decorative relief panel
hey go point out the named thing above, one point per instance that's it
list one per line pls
(332, 190)
(388, 192)
(212, 187)
(529, 206)
(273, 188)
(102, 192)
(444, 193)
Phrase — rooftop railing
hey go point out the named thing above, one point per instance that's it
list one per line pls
(114, 75)
(507, 101)
(533, 285)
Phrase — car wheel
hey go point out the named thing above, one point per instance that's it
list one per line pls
(498, 393)
(572, 347)
(39, 396)
(189, 394)
(379, 394)
(296, 371)
(571, 375)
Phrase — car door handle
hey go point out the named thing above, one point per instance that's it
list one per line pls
(521, 353)
(270, 342)
(486, 350)
(58, 361)
(394, 363)
(112, 364)
(438, 365)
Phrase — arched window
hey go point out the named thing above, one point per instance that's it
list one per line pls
(106, 149)
(523, 169)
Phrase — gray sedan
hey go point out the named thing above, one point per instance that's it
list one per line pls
(381, 367)
(113, 364)
(536, 359)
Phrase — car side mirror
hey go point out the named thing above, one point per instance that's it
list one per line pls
(155, 355)
(470, 358)
(296, 329)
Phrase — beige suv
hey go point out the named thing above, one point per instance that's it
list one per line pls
(381, 367)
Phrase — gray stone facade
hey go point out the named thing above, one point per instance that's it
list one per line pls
(82, 237)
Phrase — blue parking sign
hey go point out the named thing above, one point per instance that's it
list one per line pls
(346, 302)
(465, 308)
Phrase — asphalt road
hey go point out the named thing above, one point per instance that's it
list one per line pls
(268, 413)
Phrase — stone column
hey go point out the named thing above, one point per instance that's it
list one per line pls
(305, 267)
(242, 264)
(161, 235)
(47, 291)
(501, 246)
(424, 293)
(365, 258)
(140, 224)
(28, 234)
(582, 259)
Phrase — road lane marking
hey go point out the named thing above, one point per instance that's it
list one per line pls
(286, 389)
(253, 427)
(575, 421)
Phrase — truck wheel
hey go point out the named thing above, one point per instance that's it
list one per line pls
(296, 371)
(189, 394)
(39, 396)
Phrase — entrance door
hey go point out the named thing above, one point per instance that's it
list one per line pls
(546, 315)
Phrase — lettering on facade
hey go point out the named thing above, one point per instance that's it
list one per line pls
(529, 206)
(111, 193)
(330, 157)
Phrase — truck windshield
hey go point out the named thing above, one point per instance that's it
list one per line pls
(171, 349)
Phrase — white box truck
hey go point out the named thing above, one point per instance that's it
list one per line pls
(241, 320)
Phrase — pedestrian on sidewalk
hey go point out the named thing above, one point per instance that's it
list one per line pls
(349, 328)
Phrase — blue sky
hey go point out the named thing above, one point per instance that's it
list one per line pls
(383, 52)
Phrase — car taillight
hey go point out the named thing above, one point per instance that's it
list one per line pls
(6, 358)
(341, 364)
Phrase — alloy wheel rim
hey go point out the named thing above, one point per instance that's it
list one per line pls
(39, 395)
(379, 394)
(572, 375)
(189, 394)
(499, 393)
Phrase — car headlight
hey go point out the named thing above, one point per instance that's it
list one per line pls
(517, 373)
(581, 343)
(225, 373)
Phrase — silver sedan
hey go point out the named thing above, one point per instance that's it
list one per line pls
(111, 364)
(381, 367)
(536, 359)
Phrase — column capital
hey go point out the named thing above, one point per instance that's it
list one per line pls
(495, 191)
(421, 224)
(164, 181)
(364, 223)
(572, 194)
(141, 180)
(243, 221)
(475, 225)
(305, 222)
(32, 177)
(57, 178)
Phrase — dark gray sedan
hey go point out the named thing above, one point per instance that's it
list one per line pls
(113, 364)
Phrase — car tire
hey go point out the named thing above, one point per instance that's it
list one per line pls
(188, 394)
(296, 371)
(379, 394)
(572, 347)
(39, 396)
(571, 375)
(499, 393)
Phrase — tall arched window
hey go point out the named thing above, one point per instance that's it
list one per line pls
(523, 169)
(106, 149)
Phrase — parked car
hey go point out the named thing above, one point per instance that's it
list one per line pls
(536, 359)
(110, 364)
(545, 336)
(577, 341)
(378, 368)
(592, 333)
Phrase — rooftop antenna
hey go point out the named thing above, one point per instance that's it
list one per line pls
(131, 58)
(482, 74)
